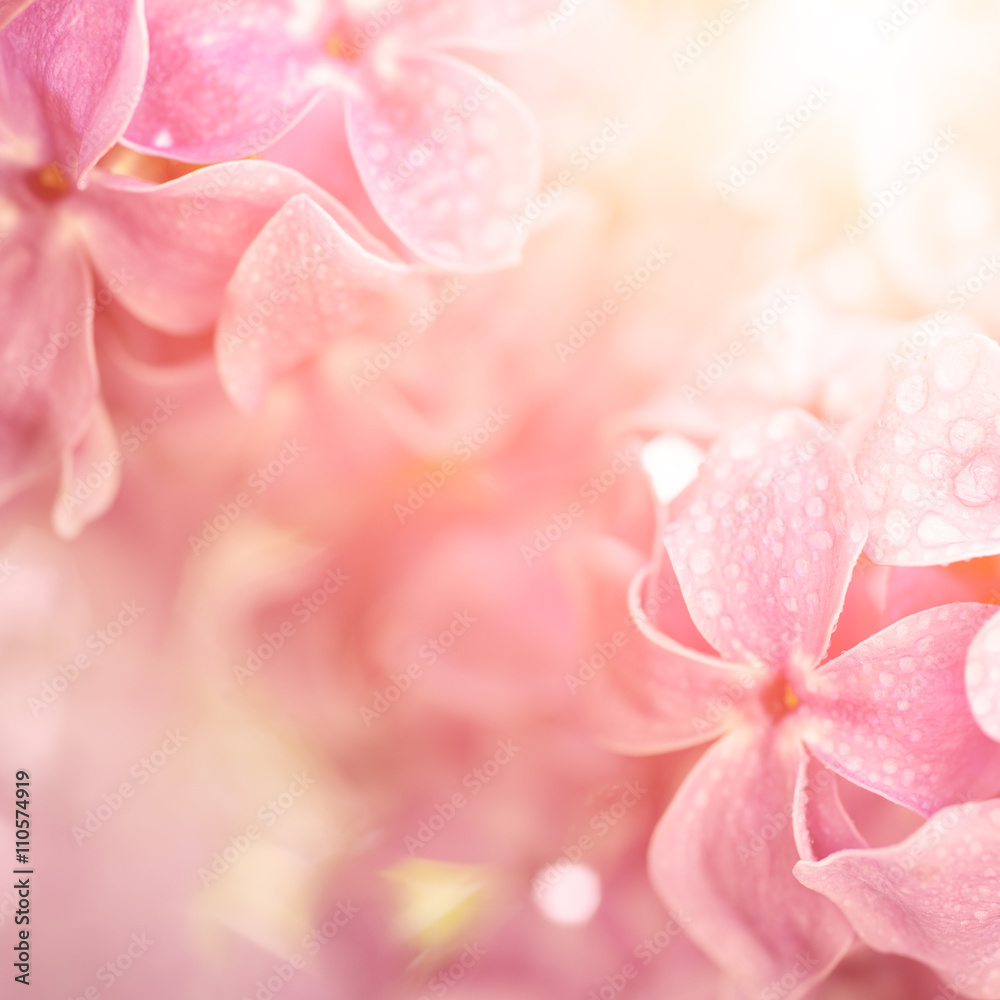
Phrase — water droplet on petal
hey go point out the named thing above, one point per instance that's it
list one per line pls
(701, 561)
(933, 464)
(978, 483)
(911, 394)
(935, 530)
(710, 603)
(815, 507)
(821, 540)
(965, 436)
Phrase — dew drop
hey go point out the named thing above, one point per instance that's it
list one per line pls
(978, 483)
(965, 436)
(815, 507)
(936, 530)
(911, 394)
(701, 561)
(933, 464)
(710, 603)
(821, 540)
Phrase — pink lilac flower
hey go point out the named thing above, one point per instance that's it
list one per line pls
(930, 481)
(763, 544)
(447, 154)
(167, 252)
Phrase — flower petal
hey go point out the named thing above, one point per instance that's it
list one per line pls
(820, 823)
(934, 897)
(301, 282)
(482, 24)
(982, 677)
(892, 714)
(168, 251)
(647, 694)
(80, 501)
(9, 9)
(74, 74)
(764, 540)
(225, 79)
(723, 856)
(49, 381)
(448, 156)
(931, 466)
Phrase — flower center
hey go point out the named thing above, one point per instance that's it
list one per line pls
(779, 699)
(338, 45)
(49, 183)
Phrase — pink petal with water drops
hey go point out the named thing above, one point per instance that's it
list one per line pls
(448, 156)
(722, 856)
(302, 282)
(649, 693)
(934, 897)
(179, 243)
(227, 78)
(764, 541)
(892, 715)
(820, 823)
(73, 76)
(982, 677)
(931, 466)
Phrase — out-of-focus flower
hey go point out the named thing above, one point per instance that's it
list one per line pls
(168, 252)
(446, 153)
(763, 544)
